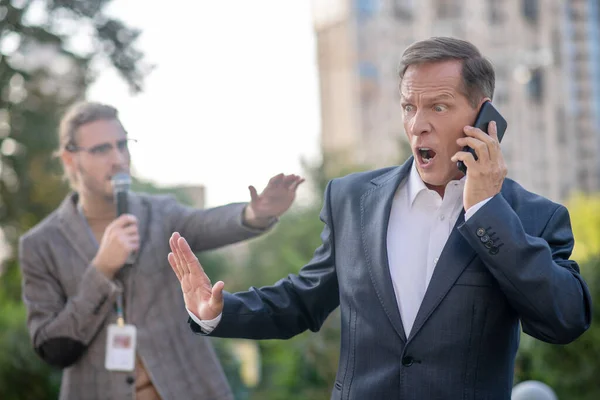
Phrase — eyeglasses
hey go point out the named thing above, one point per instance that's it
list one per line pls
(102, 149)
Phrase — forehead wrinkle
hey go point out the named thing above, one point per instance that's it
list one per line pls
(424, 94)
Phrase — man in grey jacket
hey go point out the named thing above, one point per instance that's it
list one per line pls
(110, 323)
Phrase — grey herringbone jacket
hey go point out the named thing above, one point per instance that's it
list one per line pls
(70, 304)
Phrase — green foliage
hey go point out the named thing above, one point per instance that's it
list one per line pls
(571, 370)
(585, 220)
(22, 374)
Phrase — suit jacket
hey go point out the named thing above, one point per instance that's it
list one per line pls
(70, 303)
(508, 263)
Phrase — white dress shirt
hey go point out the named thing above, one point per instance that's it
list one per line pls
(419, 226)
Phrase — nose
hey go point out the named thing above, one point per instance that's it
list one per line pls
(119, 157)
(420, 124)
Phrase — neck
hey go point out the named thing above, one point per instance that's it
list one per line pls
(439, 189)
(97, 207)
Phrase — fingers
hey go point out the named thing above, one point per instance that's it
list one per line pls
(493, 130)
(494, 147)
(481, 135)
(174, 266)
(288, 180)
(481, 148)
(276, 180)
(467, 158)
(296, 183)
(124, 220)
(182, 268)
(187, 257)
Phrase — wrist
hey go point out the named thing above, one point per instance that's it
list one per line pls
(250, 219)
(103, 269)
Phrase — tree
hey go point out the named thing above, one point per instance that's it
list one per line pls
(585, 220)
(40, 75)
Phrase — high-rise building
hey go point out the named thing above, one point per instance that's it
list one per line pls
(546, 54)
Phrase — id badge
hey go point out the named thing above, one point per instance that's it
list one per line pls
(120, 348)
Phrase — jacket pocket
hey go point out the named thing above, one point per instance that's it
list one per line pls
(475, 278)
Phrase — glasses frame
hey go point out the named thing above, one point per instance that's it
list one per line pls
(96, 150)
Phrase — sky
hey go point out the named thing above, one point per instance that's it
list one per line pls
(233, 99)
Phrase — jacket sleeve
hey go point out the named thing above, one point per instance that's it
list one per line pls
(210, 228)
(292, 305)
(61, 328)
(535, 273)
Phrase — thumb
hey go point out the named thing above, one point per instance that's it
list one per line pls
(253, 193)
(216, 299)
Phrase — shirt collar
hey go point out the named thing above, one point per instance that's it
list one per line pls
(416, 184)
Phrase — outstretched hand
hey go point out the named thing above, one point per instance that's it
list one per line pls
(275, 199)
(201, 298)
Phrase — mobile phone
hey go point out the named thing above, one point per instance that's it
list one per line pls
(487, 113)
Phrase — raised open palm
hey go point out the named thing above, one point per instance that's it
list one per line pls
(201, 298)
(276, 198)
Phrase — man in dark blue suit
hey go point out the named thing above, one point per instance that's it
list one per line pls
(434, 271)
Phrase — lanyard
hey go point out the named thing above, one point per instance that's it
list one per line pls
(120, 317)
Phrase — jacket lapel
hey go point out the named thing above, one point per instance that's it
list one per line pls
(140, 209)
(376, 205)
(455, 257)
(75, 229)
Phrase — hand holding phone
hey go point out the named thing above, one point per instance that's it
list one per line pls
(487, 114)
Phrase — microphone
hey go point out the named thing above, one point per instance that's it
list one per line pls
(121, 182)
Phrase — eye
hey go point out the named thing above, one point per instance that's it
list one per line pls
(123, 145)
(408, 107)
(440, 108)
(101, 149)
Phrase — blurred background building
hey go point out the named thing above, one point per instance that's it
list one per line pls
(547, 59)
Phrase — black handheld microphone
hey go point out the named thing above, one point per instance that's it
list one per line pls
(121, 182)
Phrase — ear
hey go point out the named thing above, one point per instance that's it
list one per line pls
(483, 101)
(68, 159)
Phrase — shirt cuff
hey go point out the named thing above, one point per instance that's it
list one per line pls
(207, 326)
(472, 210)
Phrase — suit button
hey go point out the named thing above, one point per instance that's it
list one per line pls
(480, 232)
(407, 361)
(494, 250)
(130, 380)
(489, 244)
(485, 238)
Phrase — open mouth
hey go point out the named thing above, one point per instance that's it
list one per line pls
(426, 154)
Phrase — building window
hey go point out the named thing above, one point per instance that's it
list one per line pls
(369, 81)
(530, 10)
(448, 8)
(495, 13)
(535, 86)
(403, 9)
(366, 8)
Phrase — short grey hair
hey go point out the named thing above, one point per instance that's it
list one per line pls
(478, 74)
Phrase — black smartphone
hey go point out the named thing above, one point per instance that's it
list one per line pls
(487, 114)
